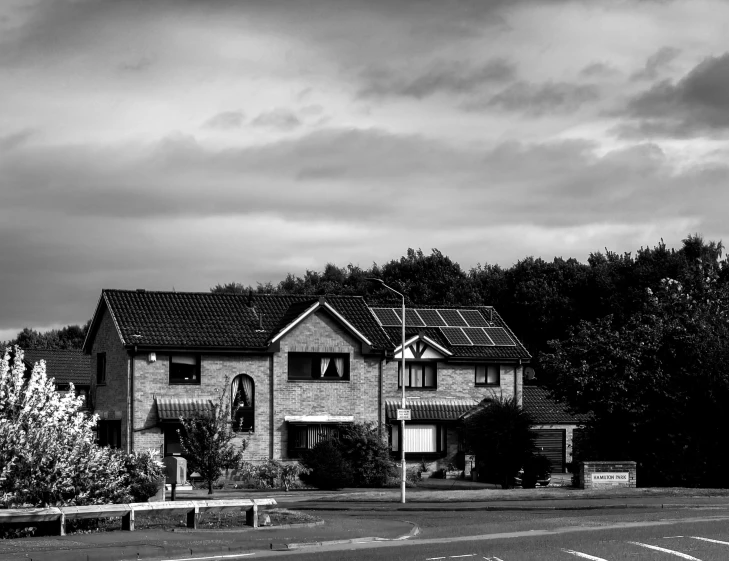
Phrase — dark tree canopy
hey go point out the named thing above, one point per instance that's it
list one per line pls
(69, 337)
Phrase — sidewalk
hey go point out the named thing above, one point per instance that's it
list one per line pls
(166, 544)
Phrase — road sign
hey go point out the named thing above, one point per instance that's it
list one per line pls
(403, 414)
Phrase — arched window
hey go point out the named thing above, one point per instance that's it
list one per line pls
(242, 395)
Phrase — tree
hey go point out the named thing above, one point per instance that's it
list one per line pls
(69, 337)
(657, 384)
(499, 434)
(206, 442)
(362, 445)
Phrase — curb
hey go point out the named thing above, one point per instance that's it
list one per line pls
(446, 508)
(248, 529)
(302, 545)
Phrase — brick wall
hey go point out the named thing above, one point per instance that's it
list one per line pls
(110, 400)
(589, 469)
(151, 379)
(358, 396)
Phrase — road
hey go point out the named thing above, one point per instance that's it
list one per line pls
(655, 535)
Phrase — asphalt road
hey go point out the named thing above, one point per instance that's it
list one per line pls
(525, 536)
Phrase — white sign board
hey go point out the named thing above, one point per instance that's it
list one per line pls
(611, 478)
(403, 414)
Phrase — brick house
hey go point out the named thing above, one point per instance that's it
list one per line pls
(65, 366)
(298, 366)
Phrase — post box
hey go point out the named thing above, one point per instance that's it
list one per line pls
(176, 468)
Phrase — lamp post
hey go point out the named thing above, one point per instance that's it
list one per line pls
(402, 384)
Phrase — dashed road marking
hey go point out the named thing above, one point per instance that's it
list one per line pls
(584, 555)
(434, 558)
(708, 540)
(664, 550)
(213, 557)
(457, 556)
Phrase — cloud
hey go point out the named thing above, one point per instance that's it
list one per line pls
(225, 120)
(13, 140)
(139, 65)
(450, 77)
(279, 118)
(538, 99)
(656, 63)
(599, 70)
(697, 104)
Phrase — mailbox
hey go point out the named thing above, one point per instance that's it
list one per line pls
(176, 469)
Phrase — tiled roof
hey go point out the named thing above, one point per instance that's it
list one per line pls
(436, 409)
(466, 352)
(544, 409)
(65, 365)
(208, 320)
(169, 409)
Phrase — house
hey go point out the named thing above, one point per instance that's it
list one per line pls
(556, 429)
(65, 366)
(297, 368)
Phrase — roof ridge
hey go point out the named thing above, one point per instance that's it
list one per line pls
(234, 294)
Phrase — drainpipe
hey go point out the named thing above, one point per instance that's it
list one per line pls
(379, 396)
(130, 401)
(517, 393)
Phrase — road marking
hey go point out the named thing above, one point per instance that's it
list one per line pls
(213, 557)
(708, 540)
(584, 555)
(664, 550)
(434, 558)
(467, 555)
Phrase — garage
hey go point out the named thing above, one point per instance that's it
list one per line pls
(551, 443)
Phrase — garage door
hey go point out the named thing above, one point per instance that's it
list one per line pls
(551, 443)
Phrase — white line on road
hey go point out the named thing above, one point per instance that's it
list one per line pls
(213, 557)
(664, 550)
(584, 555)
(434, 558)
(709, 540)
(467, 555)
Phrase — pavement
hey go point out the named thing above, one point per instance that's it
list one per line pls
(167, 544)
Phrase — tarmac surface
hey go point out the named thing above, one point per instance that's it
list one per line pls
(167, 544)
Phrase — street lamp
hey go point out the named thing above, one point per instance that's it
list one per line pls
(402, 384)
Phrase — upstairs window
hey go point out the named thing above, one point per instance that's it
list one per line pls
(242, 403)
(420, 375)
(487, 375)
(185, 369)
(100, 369)
(319, 366)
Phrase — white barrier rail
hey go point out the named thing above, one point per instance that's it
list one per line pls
(127, 512)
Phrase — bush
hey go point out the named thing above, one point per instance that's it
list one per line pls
(328, 468)
(143, 473)
(368, 453)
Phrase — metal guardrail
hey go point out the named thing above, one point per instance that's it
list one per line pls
(127, 512)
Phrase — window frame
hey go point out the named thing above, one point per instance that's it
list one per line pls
(105, 428)
(250, 409)
(486, 384)
(441, 442)
(198, 370)
(315, 358)
(101, 365)
(293, 451)
(409, 365)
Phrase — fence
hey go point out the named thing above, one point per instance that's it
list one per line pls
(127, 512)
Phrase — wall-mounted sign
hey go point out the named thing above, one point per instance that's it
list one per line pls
(403, 414)
(610, 478)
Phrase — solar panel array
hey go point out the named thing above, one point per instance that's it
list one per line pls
(459, 327)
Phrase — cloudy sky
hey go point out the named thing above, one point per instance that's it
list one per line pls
(185, 143)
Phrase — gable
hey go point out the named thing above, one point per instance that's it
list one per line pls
(420, 349)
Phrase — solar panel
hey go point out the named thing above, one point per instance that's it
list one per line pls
(452, 318)
(431, 317)
(455, 336)
(474, 318)
(478, 337)
(387, 317)
(412, 319)
(500, 336)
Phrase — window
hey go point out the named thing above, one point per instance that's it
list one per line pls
(319, 366)
(109, 433)
(242, 403)
(100, 369)
(421, 375)
(83, 391)
(185, 369)
(303, 437)
(419, 438)
(487, 374)
(172, 439)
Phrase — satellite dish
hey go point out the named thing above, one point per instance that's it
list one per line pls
(529, 373)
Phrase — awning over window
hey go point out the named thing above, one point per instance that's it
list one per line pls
(171, 409)
(430, 409)
(324, 418)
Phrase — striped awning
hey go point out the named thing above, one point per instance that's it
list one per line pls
(171, 409)
(441, 409)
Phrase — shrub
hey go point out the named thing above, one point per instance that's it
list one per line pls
(368, 453)
(328, 468)
(143, 473)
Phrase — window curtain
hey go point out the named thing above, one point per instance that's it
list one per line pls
(246, 383)
(339, 365)
(234, 398)
(324, 364)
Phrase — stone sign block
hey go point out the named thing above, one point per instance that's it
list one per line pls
(602, 475)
